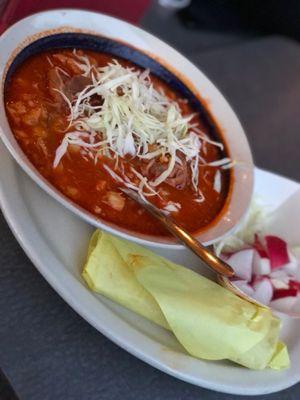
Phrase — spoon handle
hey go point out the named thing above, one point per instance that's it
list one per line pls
(202, 252)
(207, 256)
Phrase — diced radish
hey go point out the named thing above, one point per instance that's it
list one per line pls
(241, 262)
(244, 287)
(280, 283)
(279, 274)
(261, 265)
(295, 285)
(259, 247)
(263, 291)
(277, 251)
(284, 304)
(280, 293)
(268, 272)
(255, 279)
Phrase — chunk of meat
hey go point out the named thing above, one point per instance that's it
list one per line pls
(179, 177)
(62, 58)
(68, 61)
(32, 117)
(54, 117)
(101, 185)
(16, 109)
(72, 192)
(75, 85)
(55, 82)
(115, 200)
(96, 100)
(69, 86)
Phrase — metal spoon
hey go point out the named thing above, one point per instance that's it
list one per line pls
(223, 270)
(209, 258)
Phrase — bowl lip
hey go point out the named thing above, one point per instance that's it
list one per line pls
(214, 231)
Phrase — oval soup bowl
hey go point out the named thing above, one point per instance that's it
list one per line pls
(60, 29)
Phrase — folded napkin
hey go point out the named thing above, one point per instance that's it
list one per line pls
(210, 322)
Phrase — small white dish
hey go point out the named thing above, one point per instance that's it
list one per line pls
(56, 242)
(48, 24)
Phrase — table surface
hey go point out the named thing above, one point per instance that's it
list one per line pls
(46, 350)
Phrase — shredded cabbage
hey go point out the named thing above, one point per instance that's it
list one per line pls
(135, 119)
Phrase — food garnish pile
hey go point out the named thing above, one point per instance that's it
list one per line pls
(266, 267)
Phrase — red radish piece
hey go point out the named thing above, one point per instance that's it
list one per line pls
(280, 283)
(279, 274)
(280, 293)
(269, 274)
(295, 285)
(241, 262)
(285, 304)
(263, 291)
(255, 279)
(261, 265)
(259, 247)
(277, 251)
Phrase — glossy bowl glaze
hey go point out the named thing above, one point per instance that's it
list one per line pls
(85, 30)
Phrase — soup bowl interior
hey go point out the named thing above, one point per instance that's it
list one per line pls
(144, 50)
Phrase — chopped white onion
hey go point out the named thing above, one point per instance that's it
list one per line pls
(263, 291)
(241, 262)
(172, 207)
(217, 181)
(261, 265)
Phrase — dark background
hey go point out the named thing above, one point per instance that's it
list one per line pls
(250, 50)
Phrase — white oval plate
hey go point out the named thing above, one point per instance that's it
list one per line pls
(56, 241)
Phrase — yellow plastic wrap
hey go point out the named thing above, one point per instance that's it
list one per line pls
(209, 321)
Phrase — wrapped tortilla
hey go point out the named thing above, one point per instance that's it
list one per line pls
(210, 322)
